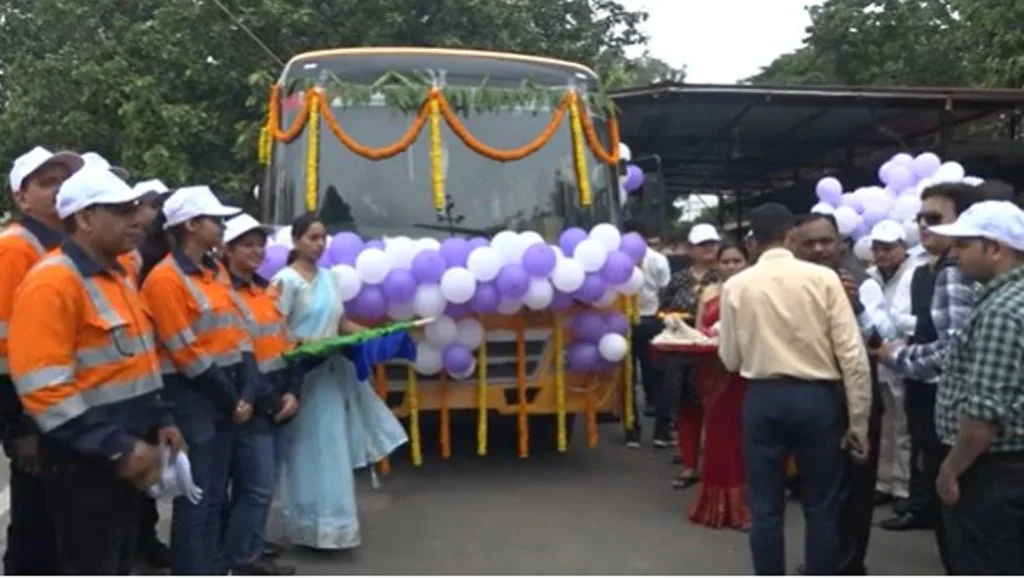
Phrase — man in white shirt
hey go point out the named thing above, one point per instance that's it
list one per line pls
(656, 273)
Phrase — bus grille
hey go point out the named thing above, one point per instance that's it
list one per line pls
(501, 355)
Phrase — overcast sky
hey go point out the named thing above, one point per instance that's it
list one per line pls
(722, 41)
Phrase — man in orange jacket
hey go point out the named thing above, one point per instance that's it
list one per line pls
(35, 178)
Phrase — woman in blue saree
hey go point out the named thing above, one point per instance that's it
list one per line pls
(343, 425)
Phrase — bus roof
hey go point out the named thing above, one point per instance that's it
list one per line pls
(397, 50)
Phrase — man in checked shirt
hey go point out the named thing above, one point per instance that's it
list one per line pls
(980, 406)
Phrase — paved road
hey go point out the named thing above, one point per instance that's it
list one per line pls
(604, 511)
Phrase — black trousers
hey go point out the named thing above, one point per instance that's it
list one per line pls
(984, 530)
(148, 518)
(95, 515)
(925, 448)
(31, 540)
(652, 376)
(858, 500)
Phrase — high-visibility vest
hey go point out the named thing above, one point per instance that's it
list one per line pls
(212, 332)
(18, 234)
(111, 357)
(267, 327)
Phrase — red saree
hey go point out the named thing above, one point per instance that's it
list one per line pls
(722, 501)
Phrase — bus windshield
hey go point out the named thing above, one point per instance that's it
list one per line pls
(394, 196)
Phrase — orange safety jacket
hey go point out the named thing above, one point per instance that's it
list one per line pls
(22, 245)
(82, 345)
(199, 327)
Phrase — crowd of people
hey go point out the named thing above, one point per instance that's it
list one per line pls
(135, 331)
(895, 382)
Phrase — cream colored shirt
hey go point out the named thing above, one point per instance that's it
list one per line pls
(784, 317)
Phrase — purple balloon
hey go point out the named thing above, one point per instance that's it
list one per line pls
(457, 310)
(428, 267)
(476, 243)
(344, 248)
(486, 299)
(588, 326)
(370, 303)
(512, 281)
(592, 289)
(885, 172)
(399, 285)
(539, 260)
(851, 200)
(455, 250)
(571, 237)
(325, 261)
(583, 357)
(561, 302)
(274, 259)
(925, 165)
(616, 323)
(634, 178)
(457, 358)
(900, 177)
(373, 244)
(633, 245)
(829, 190)
(617, 269)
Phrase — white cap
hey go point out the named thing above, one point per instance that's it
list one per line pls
(36, 159)
(96, 160)
(240, 225)
(92, 186)
(151, 186)
(999, 221)
(888, 232)
(187, 203)
(703, 233)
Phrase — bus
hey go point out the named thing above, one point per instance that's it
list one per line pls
(392, 197)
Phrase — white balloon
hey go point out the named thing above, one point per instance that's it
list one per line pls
(539, 294)
(458, 285)
(428, 301)
(823, 209)
(591, 255)
(607, 235)
(401, 250)
(913, 233)
(428, 244)
(528, 238)
(403, 311)
(613, 347)
(924, 184)
(468, 373)
(506, 244)
(283, 236)
(636, 281)
(347, 280)
(607, 300)
(950, 172)
(905, 208)
(559, 255)
(373, 265)
(624, 153)
(469, 332)
(862, 248)
(509, 306)
(568, 275)
(973, 180)
(441, 332)
(484, 263)
(428, 360)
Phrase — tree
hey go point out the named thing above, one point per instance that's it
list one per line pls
(991, 38)
(177, 89)
(642, 71)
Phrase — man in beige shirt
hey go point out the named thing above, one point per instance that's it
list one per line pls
(787, 326)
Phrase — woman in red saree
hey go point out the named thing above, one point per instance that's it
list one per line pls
(722, 501)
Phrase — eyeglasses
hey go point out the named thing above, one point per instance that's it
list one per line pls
(929, 219)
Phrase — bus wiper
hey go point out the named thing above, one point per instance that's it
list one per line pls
(460, 230)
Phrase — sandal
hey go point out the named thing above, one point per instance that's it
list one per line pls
(682, 482)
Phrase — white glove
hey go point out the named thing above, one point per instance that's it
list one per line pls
(177, 478)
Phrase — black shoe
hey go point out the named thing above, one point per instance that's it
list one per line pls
(272, 550)
(900, 506)
(663, 442)
(633, 440)
(154, 553)
(801, 570)
(649, 411)
(882, 499)
(262, 567)
(906, 522)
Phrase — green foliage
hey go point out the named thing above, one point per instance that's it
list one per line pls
(643, 71)
(177, 89)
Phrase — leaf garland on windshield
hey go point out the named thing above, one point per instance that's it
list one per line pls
(407, 94)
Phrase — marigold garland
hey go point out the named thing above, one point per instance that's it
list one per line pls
(561, 434)
(263, 146)
(412, 392)
(523, 422)
(380, 384)
(627, 371)
(481, 398)
(313, 156)
(446, 426)
(436, 150)
(578, 151)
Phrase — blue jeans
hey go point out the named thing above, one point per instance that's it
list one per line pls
(195, 528)
(780, 417)
(253, 470)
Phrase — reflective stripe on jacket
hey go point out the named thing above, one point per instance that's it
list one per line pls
(267, 327)
(20, 250)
